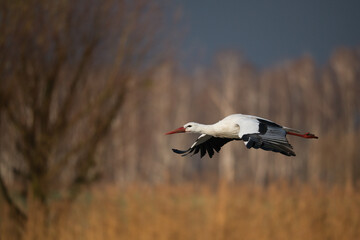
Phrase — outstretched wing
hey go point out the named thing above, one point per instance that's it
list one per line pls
(205, 143)
(270, 137)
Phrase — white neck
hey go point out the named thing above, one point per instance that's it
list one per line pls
(219, 129)
(206, 129)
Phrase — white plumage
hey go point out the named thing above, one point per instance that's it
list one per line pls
(256, 133)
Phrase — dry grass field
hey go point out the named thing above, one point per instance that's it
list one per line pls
(203, 212)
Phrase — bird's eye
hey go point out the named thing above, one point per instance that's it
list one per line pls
(188, 126)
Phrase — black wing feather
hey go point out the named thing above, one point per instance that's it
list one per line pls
(180, 151)
(271, 137)
(203, 151)
(196, 150)
(268, 122)
(257, 141)
(205, 144)
(210, 151)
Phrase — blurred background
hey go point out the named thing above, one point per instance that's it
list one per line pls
(88, 88)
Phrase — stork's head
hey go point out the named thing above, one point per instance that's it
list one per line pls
(189, 127)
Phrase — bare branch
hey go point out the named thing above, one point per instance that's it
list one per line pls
(69, 100)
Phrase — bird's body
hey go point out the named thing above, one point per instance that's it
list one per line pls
(256, 133)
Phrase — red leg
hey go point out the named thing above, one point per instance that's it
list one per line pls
(306, 135)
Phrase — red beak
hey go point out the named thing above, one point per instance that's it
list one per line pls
(178, 130)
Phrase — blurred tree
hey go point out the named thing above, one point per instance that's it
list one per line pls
(66, 67)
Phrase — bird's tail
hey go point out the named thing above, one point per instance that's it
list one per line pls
(298, 133)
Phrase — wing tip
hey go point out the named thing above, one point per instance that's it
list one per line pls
(182, 152)
(290, 154)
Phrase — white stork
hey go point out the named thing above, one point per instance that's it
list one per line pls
(256, 133)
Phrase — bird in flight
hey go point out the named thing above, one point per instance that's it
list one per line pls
(256, 133)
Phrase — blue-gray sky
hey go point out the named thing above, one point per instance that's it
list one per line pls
(268, 32)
